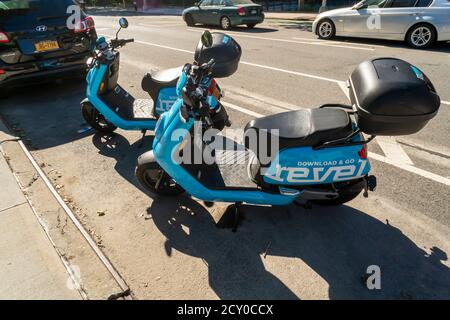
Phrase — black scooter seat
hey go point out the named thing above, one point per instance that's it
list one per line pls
(154, 81)
(307, 127)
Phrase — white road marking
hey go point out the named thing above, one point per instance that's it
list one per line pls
(446, 102)
(243, 110)
(341, 42)
(406, 167)
(301, 74)
(393, 150)
(291, 41)
(412, 169)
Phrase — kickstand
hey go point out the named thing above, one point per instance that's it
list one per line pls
(237, 215)
(142, 140)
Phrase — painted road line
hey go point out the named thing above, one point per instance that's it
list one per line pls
(370, 46)
(291, 41)
(393, 151)
(446, 102)
(301, 74)
(412, 169)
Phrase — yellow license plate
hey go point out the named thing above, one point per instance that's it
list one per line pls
(46, 45)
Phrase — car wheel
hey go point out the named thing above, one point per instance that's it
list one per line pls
(189, 20)
(326, 29)
(421, 36)
(225, 23)
(251, 26)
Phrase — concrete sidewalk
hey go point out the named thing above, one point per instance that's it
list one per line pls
(30, 268)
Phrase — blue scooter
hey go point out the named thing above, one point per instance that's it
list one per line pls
(109, 106)
(308, 156)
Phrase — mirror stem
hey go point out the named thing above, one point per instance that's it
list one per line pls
(117, 34)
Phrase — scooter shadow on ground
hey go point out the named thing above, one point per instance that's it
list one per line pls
(118, 147)
(337, 243)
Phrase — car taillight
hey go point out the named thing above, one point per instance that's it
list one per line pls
(85, 25)
(241, 11)
(2, 71)
(3, 37)
(363, 152)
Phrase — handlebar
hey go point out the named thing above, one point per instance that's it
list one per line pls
(117, 43)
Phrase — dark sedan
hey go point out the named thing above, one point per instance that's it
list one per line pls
(41, 39)
(224, 13)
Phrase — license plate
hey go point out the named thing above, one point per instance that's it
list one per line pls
(46, 45)
(253, 11)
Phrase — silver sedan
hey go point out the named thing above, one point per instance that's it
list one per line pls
(418, 22)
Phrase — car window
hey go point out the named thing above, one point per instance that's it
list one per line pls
(403, 3)
(375, 3)
(424, 3)
(236, 2)
(218, 2)
(206, 3)
(22, 11)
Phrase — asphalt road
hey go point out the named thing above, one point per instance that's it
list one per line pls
(172, 249)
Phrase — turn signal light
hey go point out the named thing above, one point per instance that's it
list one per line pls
(3, 37)
(85, 25)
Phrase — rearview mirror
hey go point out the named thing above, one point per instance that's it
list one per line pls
(123, 22)
(207, 39)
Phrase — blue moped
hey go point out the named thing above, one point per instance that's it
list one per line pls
(309, 156)
(108, 105)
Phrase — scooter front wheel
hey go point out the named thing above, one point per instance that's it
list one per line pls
(154, 179)
(95, 119)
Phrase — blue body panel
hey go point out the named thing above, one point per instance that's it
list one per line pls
(164, 147)
(166, 98)
(305, 166)
(94, 79)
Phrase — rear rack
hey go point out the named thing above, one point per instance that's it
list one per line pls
(343, 142)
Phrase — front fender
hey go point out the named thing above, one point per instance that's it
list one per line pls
(146, 159)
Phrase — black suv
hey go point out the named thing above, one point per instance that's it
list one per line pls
(42, 39)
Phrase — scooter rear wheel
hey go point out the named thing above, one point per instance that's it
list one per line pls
(154, 179)
(95, 119)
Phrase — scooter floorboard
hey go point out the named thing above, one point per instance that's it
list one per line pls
(230, 170)
(126, 106)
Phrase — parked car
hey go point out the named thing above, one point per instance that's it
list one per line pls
(40, 40)
(224, 13)
(418, 22)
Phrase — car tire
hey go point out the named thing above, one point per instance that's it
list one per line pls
(189, 20)
(251, 25)
(326, 29)
(421, 36)
(225, 23)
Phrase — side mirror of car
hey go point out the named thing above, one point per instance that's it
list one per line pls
(359, 6)
(197, 4)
